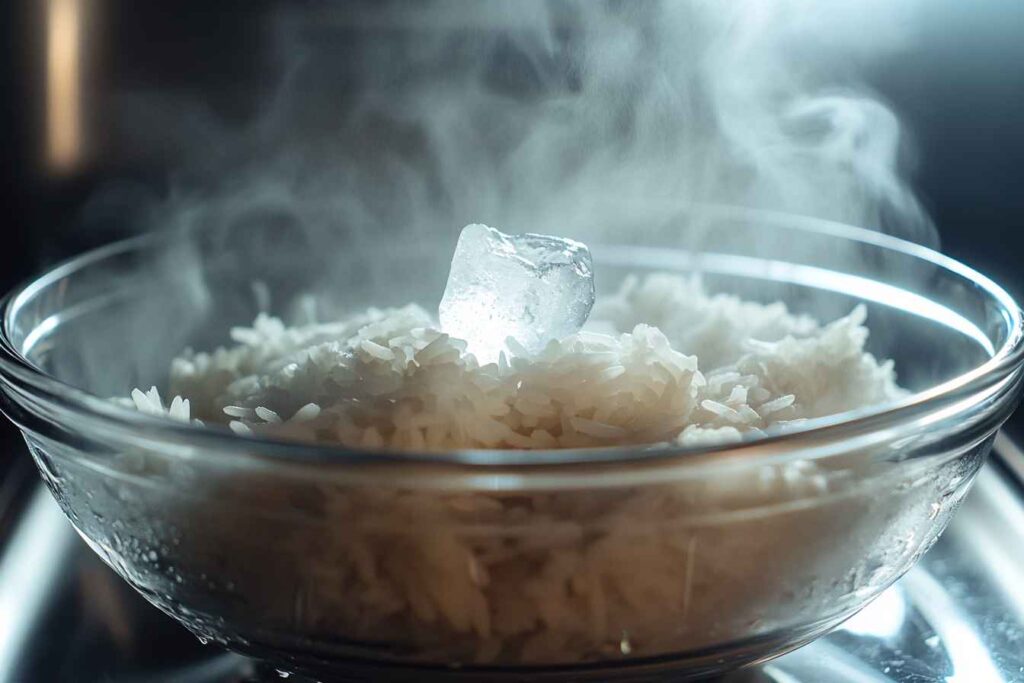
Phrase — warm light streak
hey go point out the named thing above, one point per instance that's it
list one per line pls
(64, 83)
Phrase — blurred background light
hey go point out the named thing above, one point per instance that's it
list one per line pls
(64, 84)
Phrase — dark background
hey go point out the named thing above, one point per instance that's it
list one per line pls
(958, 88)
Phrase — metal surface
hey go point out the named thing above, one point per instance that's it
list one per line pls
(958, 616)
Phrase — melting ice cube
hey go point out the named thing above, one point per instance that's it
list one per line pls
(531, 287)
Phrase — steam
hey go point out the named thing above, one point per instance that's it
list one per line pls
(390, 125)
(405, 121)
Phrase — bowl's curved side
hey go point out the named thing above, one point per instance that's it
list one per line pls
(321, 570)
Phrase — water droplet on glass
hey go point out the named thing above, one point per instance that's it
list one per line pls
(624, 645)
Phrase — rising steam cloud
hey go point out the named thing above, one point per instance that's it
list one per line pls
(553, 117)
(397, 123)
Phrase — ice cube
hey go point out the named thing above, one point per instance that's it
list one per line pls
(534, 288)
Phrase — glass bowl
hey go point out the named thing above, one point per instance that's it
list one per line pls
(576, 564)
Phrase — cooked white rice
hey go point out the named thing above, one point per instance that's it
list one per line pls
(660, 362)
(549, 575)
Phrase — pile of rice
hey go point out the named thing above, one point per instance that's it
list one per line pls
(534, 573)
(662, 361)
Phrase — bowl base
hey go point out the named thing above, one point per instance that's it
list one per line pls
(277, 663)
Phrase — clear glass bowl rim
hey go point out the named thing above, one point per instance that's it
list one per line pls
(110, 417)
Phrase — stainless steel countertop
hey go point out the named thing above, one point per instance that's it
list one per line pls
(958, 616)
